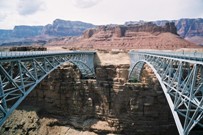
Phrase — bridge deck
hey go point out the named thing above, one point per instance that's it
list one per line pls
(20, 54)
(195, 56)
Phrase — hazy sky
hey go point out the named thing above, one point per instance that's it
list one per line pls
(42, 12)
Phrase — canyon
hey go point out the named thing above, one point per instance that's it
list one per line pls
(64, 104)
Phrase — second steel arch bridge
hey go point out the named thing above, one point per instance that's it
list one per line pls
(181, 78)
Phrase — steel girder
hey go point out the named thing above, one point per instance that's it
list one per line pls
(181, 78)
(20, 72)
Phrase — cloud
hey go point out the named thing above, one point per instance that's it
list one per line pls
(28, 7)
(190, 8)
(85, 3)
(3, 16)
(3, 3)
(7, 7)
(196, 7)
(7, 4)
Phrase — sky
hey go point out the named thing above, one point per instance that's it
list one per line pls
(98, 12)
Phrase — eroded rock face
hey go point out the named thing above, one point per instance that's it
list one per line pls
(88, 33)
(103, 106)
(121, 30)
(126, 37)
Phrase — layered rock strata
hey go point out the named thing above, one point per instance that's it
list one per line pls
(126, 37)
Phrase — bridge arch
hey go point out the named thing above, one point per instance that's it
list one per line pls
(19, 76)
(85, 70)
(136, 74)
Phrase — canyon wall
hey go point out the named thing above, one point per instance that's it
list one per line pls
(27, 35)
(126, 37)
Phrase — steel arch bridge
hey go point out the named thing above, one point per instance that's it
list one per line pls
(181, 78)
(20, 72)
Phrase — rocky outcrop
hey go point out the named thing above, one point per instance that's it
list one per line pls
(89, 33)
(170, 27)
(120, 31)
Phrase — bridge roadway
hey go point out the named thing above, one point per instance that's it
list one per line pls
(20, 72)
(181, 78)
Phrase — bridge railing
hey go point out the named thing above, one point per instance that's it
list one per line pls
(15, 54)
(197, 56)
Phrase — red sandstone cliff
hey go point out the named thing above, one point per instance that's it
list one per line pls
(144, 36)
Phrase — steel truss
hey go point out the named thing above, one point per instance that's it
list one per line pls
(20, 72)
(181, 78)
